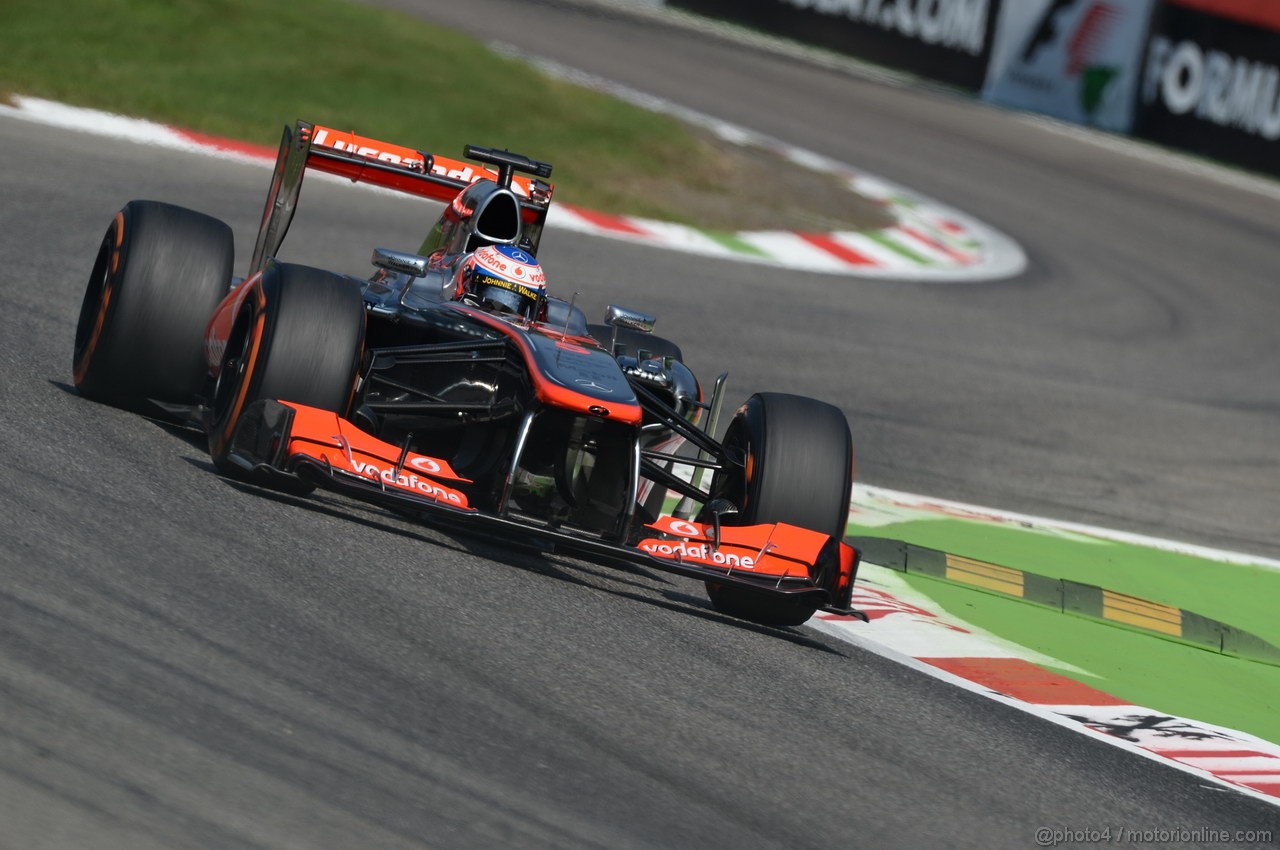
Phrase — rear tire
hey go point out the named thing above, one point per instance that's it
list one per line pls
(798, 456)
(298, 337)
(160, 273)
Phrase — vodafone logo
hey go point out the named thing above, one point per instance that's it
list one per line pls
(511, 263)
(698, 552)
(684, 529)
(426, 464)
(407, 482)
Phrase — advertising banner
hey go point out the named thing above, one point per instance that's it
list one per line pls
(1073, 59)
(1211, 81)
(947, 40)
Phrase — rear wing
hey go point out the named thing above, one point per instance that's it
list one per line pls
(364, 160)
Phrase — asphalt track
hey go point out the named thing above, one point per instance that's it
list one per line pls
(188, 663)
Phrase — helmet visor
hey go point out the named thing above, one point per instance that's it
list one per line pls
(506, 296)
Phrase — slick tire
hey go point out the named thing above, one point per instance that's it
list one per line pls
(631, 342)
(160, 273)
(298, 337)
(798, 456)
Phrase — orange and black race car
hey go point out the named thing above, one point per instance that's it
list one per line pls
(508, 414)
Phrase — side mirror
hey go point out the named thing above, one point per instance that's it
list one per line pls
(621, 317)
(400, 261)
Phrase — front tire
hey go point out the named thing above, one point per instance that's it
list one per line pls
(160, 272)
(797, 468)
(298, 337)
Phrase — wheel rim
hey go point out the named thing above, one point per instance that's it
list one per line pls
(93, 309)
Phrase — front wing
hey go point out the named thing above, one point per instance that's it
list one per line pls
(281, 443)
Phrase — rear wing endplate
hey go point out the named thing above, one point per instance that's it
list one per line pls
(364, 160)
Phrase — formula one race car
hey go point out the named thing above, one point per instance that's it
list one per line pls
(449, 385)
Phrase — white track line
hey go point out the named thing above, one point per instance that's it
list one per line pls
(922, 629)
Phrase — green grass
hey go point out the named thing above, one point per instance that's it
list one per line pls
(245, 68)
(1241, 596)
(1160, 674)
(1148, 670)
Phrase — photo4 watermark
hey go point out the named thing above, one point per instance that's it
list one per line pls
(1053, 836)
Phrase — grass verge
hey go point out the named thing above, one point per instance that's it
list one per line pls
(242, 69)
(1241, 596)
(1159, 674)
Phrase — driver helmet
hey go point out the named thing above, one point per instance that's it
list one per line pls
(505, 279)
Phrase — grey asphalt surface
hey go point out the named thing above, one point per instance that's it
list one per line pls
(189, 663)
